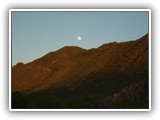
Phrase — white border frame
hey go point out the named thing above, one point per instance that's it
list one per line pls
(86, 10)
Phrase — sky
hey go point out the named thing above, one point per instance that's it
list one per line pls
(35, 34)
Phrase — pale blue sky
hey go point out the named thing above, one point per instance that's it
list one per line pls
(35, 34)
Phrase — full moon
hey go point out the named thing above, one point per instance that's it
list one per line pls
(79, 37)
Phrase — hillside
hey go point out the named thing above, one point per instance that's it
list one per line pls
(114, 75)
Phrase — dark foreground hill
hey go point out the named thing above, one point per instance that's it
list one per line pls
(114, 75)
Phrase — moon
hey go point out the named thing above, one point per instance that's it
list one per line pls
(79, 37)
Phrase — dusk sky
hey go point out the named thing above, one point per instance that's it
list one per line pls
(35, 34)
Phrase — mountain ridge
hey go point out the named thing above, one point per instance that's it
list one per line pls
(106, 45)
(102, 72)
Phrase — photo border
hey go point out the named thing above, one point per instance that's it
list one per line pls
(78, 10)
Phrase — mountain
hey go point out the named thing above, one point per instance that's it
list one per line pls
(114, 75)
